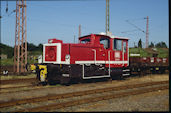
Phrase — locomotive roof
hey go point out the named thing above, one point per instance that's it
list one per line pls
(110, 36)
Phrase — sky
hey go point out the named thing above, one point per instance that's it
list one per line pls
(61, 19)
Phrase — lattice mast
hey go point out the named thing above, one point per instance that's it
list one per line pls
(147, 33)
(79, 35)
(107, 16)
(20, 48)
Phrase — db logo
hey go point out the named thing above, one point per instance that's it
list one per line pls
(117, 55)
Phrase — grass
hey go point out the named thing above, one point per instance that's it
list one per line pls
(7, 62)
(36, 53)
(2, 77)
(140, 51)
(32, 61)
(162, 52)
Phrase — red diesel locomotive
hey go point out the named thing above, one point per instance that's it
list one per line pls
(96, 56)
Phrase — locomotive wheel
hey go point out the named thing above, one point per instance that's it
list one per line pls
(44, 83)
(142, 72)
(118, 77)
(121, 77)
(65, 81)
(51, 82)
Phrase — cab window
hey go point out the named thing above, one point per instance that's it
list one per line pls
(124, 45)
(105, 42)
(85, 40)
(117, 44)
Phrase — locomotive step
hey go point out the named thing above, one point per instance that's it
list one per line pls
(125, 74)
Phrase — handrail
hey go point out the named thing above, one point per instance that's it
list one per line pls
(109, 61)
(94, 55)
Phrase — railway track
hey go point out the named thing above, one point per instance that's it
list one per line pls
(17, 81)
(9, 86)
(22, 88)
(15, 87)
(31, 87)
(130, 90)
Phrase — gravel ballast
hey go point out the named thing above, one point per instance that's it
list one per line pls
(153, 101)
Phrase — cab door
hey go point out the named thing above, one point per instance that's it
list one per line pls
(105, 49)
(118, 51)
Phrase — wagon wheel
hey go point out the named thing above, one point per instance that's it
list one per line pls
(140, 72)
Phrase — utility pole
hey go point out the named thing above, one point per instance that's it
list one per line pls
(20, 48)
(74, 38)
(147, 34)
(79, 35)
(107, 16)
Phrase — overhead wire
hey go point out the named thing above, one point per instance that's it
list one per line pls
(135, 26)
(7, 14)
(7, 7)
(129, 31)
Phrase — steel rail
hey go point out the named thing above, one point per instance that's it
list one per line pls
(90, 100)
(79, 93)
(13, 81)
(25, 90)
(3, 88)
(104, 82)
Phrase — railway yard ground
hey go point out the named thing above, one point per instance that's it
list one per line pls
(145, 93)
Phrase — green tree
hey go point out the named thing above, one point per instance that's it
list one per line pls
(40, 47)
(151, 45)
(7, 50)
(140, 43)
(31, 47)
(161, 45)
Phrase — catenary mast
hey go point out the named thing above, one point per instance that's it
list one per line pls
(20, 48)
